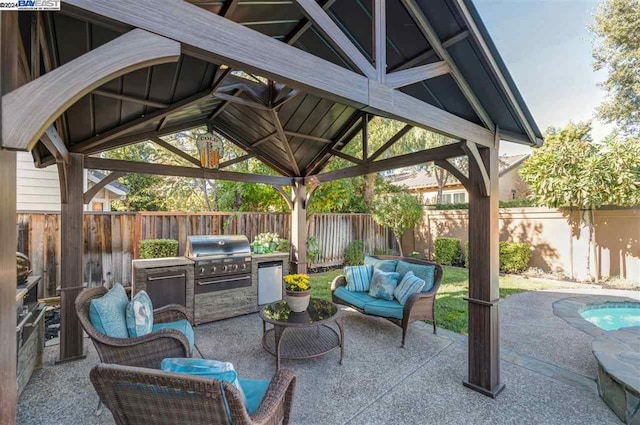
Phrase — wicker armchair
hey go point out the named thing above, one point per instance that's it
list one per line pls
(144, 351)
(150, 397)
(419, 306)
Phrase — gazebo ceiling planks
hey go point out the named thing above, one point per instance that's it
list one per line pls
(320, 94)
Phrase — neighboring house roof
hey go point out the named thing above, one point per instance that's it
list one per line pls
(114, 187)
(421, 179)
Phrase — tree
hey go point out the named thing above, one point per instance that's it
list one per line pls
(570, 170)
(399, 211)
(617, 49)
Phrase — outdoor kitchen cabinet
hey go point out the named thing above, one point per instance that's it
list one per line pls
(166, 280)
(29, 332)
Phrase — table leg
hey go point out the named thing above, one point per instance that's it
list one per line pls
(264, 327)
(339, 323)
(277, 334)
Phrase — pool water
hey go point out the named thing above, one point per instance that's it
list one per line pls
(613, 318)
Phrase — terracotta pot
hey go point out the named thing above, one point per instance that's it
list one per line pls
(298, 300)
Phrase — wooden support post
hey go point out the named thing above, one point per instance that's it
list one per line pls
(299, 227)
(71, 346)
(484, 350)
(8, 233)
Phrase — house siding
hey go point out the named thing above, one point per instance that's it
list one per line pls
(38, 189)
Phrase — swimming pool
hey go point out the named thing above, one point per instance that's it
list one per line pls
(611, 317)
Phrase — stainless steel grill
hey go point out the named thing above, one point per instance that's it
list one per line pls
(221, 262)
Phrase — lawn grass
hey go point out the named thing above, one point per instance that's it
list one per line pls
(451, 308)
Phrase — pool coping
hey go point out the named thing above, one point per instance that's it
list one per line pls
(618, 380)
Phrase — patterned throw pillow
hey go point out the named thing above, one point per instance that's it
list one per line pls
(411, 284)
(108, 313)
(383, 284)
(383, 265)
(358, 278)
(140, 315)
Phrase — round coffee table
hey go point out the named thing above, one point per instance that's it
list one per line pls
(301, 335)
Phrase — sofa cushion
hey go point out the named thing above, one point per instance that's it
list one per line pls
(108, 313)
(358, 277)
(182, 326)
(423, 271)
(383, 284)
(384, 265)
(384, 308)
(410, 284)
(358, 299)
(139, 315)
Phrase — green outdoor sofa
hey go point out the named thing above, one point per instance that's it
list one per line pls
(420, 306)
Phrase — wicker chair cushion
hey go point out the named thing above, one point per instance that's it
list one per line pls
(426, 273)
(383, 265)
(182, 326)
(108, 313)
(254, 390)
(383, 284)
(384, 308)
(358, 299)
(139, 315)
(410, 284)
(358, 277)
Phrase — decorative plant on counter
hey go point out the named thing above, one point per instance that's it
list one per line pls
(266, 243)
(297, 291)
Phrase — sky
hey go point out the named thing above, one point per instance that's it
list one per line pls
(546, 45)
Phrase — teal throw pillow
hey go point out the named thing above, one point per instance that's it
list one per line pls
(423, 271)
(383, 265)
(139, 315)
(358, 278)
(383, 284)
(108, 313)
(410, 284)
(204, 368)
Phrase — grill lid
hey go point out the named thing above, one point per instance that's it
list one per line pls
(217, 246)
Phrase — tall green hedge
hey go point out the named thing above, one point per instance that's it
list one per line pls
(448, 251)
(158, 248)
(354, 253)
(514, 256)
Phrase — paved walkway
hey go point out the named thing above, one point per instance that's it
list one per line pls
(546, 367)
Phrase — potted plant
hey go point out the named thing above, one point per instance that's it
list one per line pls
(297, 291)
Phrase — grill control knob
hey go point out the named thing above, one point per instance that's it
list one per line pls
(224, 268)
(244, 266)
(201, 270)
(213, 269)
(235, 267)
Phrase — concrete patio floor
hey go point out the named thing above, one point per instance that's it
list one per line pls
(547, 368)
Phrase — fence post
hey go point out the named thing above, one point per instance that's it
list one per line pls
(137, 232)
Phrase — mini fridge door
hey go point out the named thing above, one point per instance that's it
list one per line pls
(269, 282)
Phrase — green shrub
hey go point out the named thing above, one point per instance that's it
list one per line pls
(283, 246)
(448, 251)
(158, 248)
(514, 257)
(354, 253)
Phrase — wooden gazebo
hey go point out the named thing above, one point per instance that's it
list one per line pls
(102, 74)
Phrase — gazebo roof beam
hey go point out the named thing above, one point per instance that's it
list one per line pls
(285, 141)
(415, 75)
(392, 141)
(233, 161)
(334, 35)
(304, 25)
(127, 98)
(176, 151)
(179, 171)
(432, 37)
(442, 152)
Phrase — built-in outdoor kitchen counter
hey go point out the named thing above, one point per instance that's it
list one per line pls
(167, 280)
(29, 330)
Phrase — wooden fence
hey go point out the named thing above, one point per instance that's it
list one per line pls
(111, 239)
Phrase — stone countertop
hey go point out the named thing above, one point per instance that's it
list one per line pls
(269, 256)
(161, 262)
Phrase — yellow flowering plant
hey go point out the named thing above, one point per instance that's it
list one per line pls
(297, 282)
